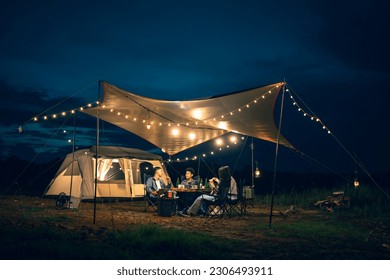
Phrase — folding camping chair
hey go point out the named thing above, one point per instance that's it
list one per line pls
(236, 206)
(218, 207)
(148, 200)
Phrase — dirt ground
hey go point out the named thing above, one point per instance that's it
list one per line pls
(251, 229)
(120, 215)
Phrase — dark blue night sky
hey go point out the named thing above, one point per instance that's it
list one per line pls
(334, 54)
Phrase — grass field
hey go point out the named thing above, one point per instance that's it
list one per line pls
(32, 229)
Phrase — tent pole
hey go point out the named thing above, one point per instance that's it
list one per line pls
(96, 154)
(252, 175)
(73, 148)
(199, 168)
(276, 157)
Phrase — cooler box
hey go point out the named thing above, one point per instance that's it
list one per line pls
(166, 207)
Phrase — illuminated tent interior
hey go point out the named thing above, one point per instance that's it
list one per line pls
(175, 126)
(118, 173)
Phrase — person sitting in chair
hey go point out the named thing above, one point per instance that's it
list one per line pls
(224, 187)
(189, 178)
(155, 183)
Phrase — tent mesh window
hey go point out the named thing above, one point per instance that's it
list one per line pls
(115, 173)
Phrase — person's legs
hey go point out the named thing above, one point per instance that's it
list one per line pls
(194, 208)
(204, 205)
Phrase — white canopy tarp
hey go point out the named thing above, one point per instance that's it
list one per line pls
(175, 126)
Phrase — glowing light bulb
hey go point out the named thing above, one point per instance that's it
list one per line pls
(175, 132)
(233, 139)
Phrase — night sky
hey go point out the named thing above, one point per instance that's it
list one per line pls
(334, 54)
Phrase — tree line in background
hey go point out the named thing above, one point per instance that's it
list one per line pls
(22, 177)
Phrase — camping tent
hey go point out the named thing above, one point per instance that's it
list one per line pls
(175, 126)
(120, 173)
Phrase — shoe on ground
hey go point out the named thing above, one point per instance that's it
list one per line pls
(216, 212)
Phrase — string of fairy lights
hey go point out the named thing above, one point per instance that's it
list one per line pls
(149, 123)
(216, 122)
(305, 114)
(64, 113)
(221, 144)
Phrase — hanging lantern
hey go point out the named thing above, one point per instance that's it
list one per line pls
(356, 183)
(257, 171)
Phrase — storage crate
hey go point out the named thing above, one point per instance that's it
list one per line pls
(166, 207)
